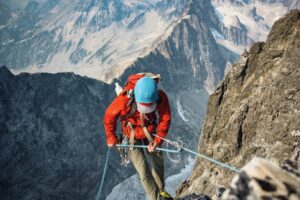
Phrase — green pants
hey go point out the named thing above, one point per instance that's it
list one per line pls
(152, 180)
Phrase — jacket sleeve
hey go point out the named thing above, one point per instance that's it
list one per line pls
(164, 113)
(111, 117)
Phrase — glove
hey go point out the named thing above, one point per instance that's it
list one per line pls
(112, 141)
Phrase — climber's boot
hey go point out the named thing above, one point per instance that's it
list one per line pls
(165, 196)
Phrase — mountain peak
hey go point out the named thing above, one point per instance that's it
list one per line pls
(284, 29)
(4, 72)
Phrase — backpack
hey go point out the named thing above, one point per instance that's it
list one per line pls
(131, 82)
(128, 90)
(129, 87)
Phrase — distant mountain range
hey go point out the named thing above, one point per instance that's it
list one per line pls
(102, 38)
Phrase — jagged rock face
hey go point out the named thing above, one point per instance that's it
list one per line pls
(292, 4)
(256, 109)
(261, 179)
(90, 37)
(195, 197)
(237, 34)
(51, 140)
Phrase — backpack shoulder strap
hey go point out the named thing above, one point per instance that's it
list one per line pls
(131, 103)
(132, 106)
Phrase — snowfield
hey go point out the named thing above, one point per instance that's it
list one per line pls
(257, 17)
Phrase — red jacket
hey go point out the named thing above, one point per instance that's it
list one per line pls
(119, 109)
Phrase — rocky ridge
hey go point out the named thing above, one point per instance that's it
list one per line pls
(255, 111)
(51, 137)
(262, 179)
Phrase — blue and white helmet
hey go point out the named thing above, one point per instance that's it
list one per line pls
(146, 95)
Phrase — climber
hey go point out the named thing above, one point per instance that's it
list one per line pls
(138, 106)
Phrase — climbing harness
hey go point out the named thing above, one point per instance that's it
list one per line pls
(145, 147)
(182, 147)
(103, 176)
(124, 152)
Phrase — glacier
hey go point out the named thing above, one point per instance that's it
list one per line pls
(248, 19)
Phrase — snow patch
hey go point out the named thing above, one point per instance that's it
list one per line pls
(255, 18)
(234, 21)
(234, 14)
(295, 133)
(209, 82)
(180, 110)
(173, 182)
(130, 188)
(6, 42)
(217, 35)
(186, 17)
(209, 85)
(238, 49)
(135, 3)
(227, 68)
(107, 52)
(118, 89)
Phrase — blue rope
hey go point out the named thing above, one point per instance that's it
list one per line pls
(213, 160)
(103, 175)
(188, 150)
(145, 147)
(176, 144)
(165, 150)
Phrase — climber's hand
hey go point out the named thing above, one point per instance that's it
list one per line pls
(152, 146)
